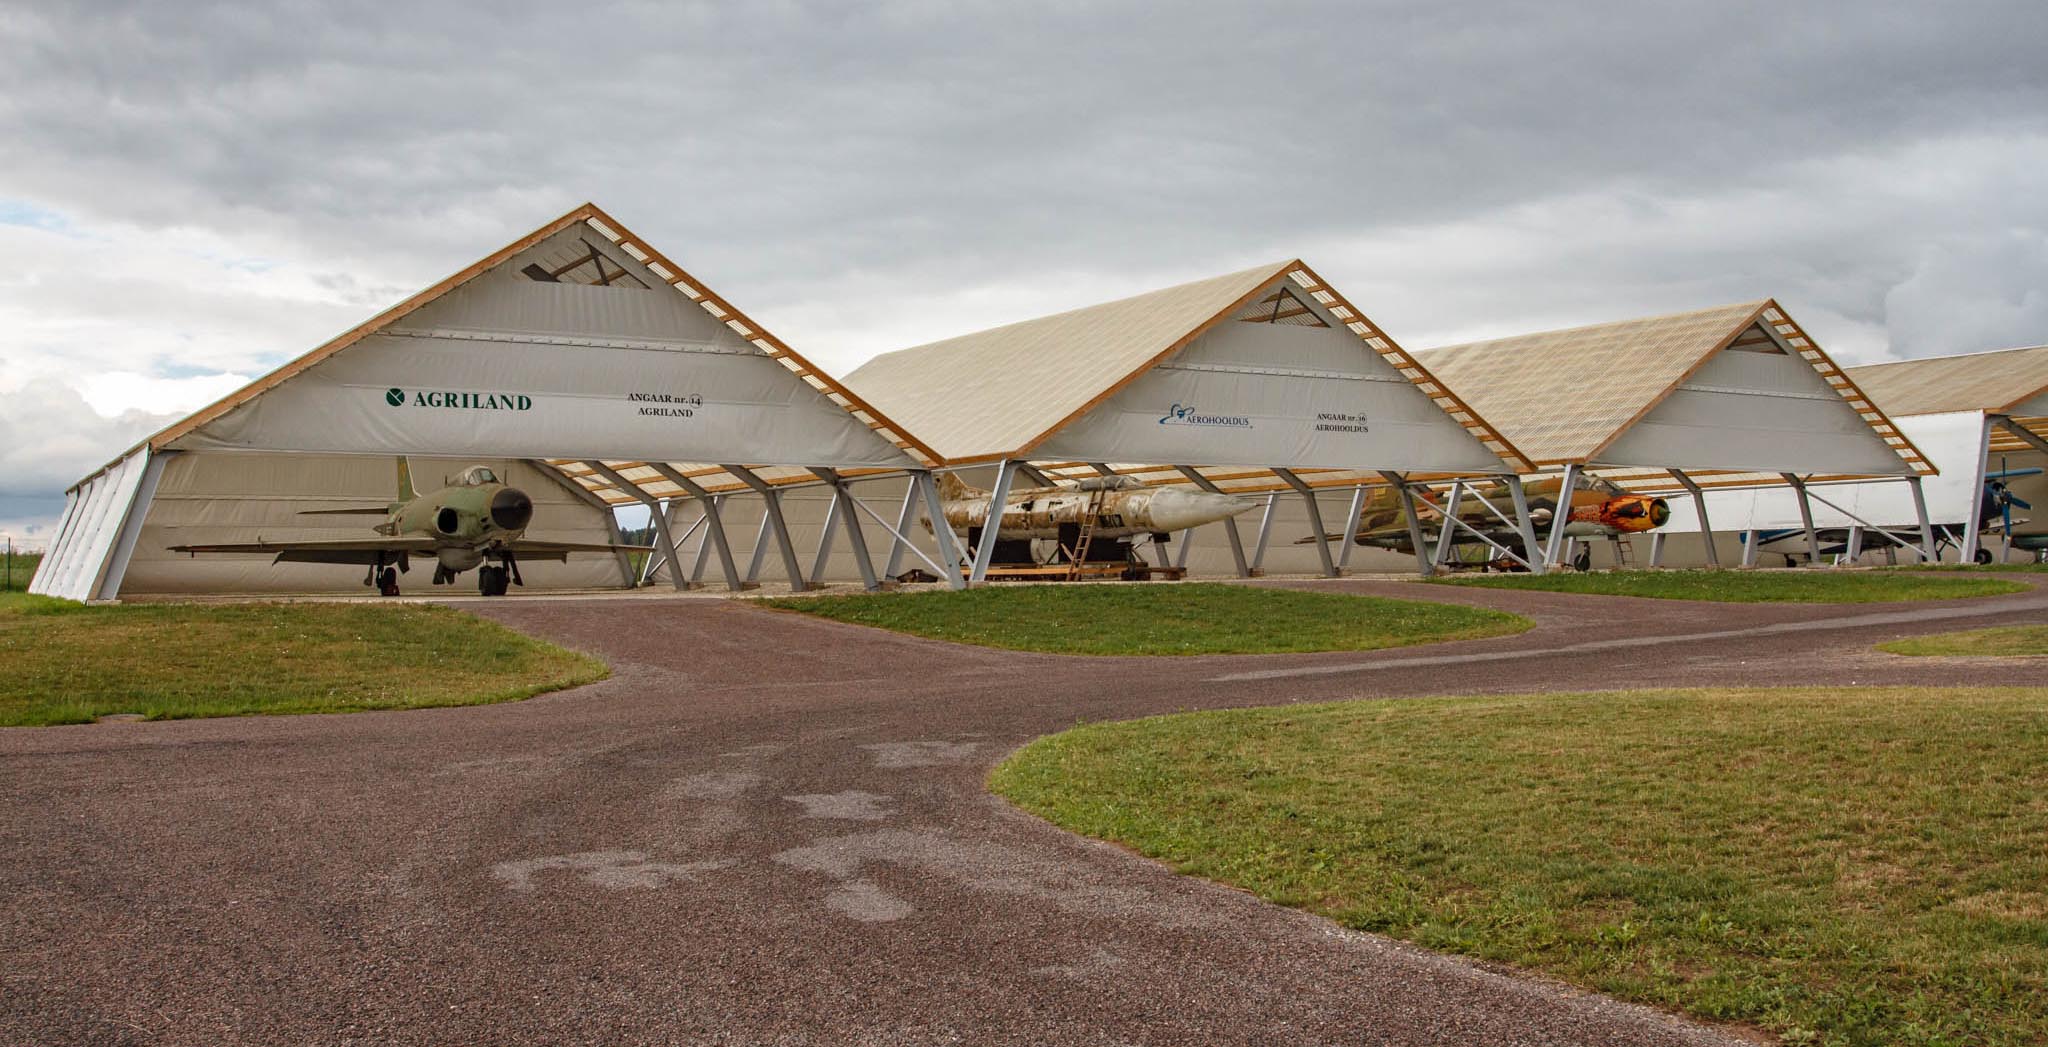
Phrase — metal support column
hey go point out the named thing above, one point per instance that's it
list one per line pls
(714, 524)
(1806, 519)
(817, 575)
(992, 524)
(1926, 525)
(775, 519)
(654, 509)
(1407, 499)
(1229, 522)
(901, 540)
(856, 539)
(1855, 550)
(1444, 537)
(942, 532)
(1699, 508)
(1265, 532)
(1315, 519)
(1532, 551)
(1751, 539)
(1559, 515)
(1350, 540)
(1656, 549)
(760, 555)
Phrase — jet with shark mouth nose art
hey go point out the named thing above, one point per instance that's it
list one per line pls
(474, 521)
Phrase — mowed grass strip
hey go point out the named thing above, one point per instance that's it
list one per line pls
(18, 569)
(1804, 586)
(1862, 866)
(2006, 641)
(64, 662)
(1151, 618)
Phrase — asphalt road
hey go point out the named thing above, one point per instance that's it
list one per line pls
(769, 829)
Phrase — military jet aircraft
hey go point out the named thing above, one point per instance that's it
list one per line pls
(474, 521)
(1118, 508)
(1593, 513)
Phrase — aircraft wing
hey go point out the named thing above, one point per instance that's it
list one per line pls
(348, 550)
(534, 549)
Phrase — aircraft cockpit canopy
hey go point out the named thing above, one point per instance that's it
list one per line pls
(477, 476)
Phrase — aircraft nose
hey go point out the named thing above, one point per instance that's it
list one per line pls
(511, 509)
(1174, 509)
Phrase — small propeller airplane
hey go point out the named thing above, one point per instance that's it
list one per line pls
(1994, 519)
(473, 521)
(1594, 513)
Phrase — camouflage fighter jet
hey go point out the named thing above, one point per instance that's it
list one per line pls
(1593, 514)
(474, 521)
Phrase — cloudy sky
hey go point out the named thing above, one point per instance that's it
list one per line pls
(193, 193)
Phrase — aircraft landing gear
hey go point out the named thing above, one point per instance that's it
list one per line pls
(492, 581)
(384, 577)
(1983, 556)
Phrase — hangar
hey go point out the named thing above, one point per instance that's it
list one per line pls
(1738, 396)
(1976, 415)
(577, 359)
(1265, 380)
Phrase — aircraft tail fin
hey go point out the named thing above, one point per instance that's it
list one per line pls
(951, 487)
(405, 489)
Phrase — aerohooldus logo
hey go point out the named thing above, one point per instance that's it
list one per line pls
(1185, 414)
(397, 397)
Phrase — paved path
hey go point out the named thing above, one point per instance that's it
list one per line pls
(768, 829)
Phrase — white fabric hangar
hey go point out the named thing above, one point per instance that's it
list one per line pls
(1737, 396)
(577, 357)
(1256, 380)
(1975, 414)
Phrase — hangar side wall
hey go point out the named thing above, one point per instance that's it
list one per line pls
(226, 497)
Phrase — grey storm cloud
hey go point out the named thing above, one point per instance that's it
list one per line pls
(862, 175)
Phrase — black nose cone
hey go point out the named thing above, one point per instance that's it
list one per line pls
(511, 509)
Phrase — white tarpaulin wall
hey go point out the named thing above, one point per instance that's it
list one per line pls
(1754, 411)
(95, 514)
(507, 365)
(1954, 442)
(1265, 395)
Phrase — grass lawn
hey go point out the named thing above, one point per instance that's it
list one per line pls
(2002, 642)
(1150, 618)
(1852, 866)
(1806, 586)
(14, 575)
(64, 662)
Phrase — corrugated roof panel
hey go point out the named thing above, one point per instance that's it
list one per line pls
(1993, 381)
(1560, 395)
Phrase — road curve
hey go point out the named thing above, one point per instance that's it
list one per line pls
(769, 829)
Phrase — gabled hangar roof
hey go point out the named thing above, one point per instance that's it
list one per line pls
(1004, 392)
(2009, 382)
(585, 246)
(1999, 381)
(1574, 396)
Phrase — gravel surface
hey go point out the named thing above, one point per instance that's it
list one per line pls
(772, 829)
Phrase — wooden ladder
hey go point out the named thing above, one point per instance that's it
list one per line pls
(1078, 555)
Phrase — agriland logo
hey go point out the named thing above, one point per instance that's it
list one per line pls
(397, 397)
(1185, 414)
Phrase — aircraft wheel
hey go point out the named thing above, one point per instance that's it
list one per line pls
(1983, 556)
(490, 581)
(1583, 561)
(387, 582)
